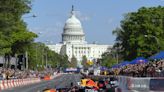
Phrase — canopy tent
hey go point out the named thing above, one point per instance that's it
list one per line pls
(139, 60)
(115, 66)
(159, 55)
(124, 63)
(103, 68)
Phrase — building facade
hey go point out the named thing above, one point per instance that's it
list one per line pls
(74, 44)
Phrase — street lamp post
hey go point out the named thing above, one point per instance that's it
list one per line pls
(46, 59)
(157, 40)
(33, 16)
(42, 58)
(38, 45)
(36, 52)
(117, 54)
(26, 53)
(47, 42)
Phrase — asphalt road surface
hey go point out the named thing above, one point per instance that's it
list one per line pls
(63, 81)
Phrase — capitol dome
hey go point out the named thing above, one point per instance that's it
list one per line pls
(73, 31)
(72, 20)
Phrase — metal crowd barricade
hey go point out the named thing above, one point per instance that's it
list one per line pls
(140, 84)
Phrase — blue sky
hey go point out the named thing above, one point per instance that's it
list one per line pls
(99, 17)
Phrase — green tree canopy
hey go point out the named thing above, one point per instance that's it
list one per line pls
(63, 61)
(84, 62)
(130, 37)
(13, 29)
(39, 53)
(73, 62)
(14, 36)
(108, 59)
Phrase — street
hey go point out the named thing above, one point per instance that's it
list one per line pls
(63, 81)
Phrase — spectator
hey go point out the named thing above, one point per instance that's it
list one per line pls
(151, 69)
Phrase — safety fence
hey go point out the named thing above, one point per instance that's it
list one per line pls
(140, 84)
(7, 84)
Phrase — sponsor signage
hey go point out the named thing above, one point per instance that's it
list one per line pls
(157, 84)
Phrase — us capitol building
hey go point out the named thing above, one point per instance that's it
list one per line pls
(74, 44)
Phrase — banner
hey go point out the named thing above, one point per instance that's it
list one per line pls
(157, 84)
(134, 83)
(139, 84)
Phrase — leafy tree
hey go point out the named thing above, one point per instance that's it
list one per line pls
(131, 36)
(16, 39)
(14, 34)
(108, 59)
(39, 53)
(62, 61)
(84, 62)
(32, 61)
(73, 62)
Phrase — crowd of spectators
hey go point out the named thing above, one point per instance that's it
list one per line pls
(150, 69)
(6, 74)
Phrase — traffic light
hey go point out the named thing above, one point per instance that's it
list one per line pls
(21, 62)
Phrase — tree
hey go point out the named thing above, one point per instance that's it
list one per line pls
(84, 62)
(13, 30)
(73, 62)
(130, 37)
(63, 62)
(108, 59)
(39, 53)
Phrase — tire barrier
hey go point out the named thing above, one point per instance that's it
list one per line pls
(7, 84)
(140, 84)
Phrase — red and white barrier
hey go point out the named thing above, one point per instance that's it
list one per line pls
(7, 84)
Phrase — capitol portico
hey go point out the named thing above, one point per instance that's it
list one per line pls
(74, 44)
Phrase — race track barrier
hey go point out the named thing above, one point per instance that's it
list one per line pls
(6, 84)
(56, 75)
(140, 84)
